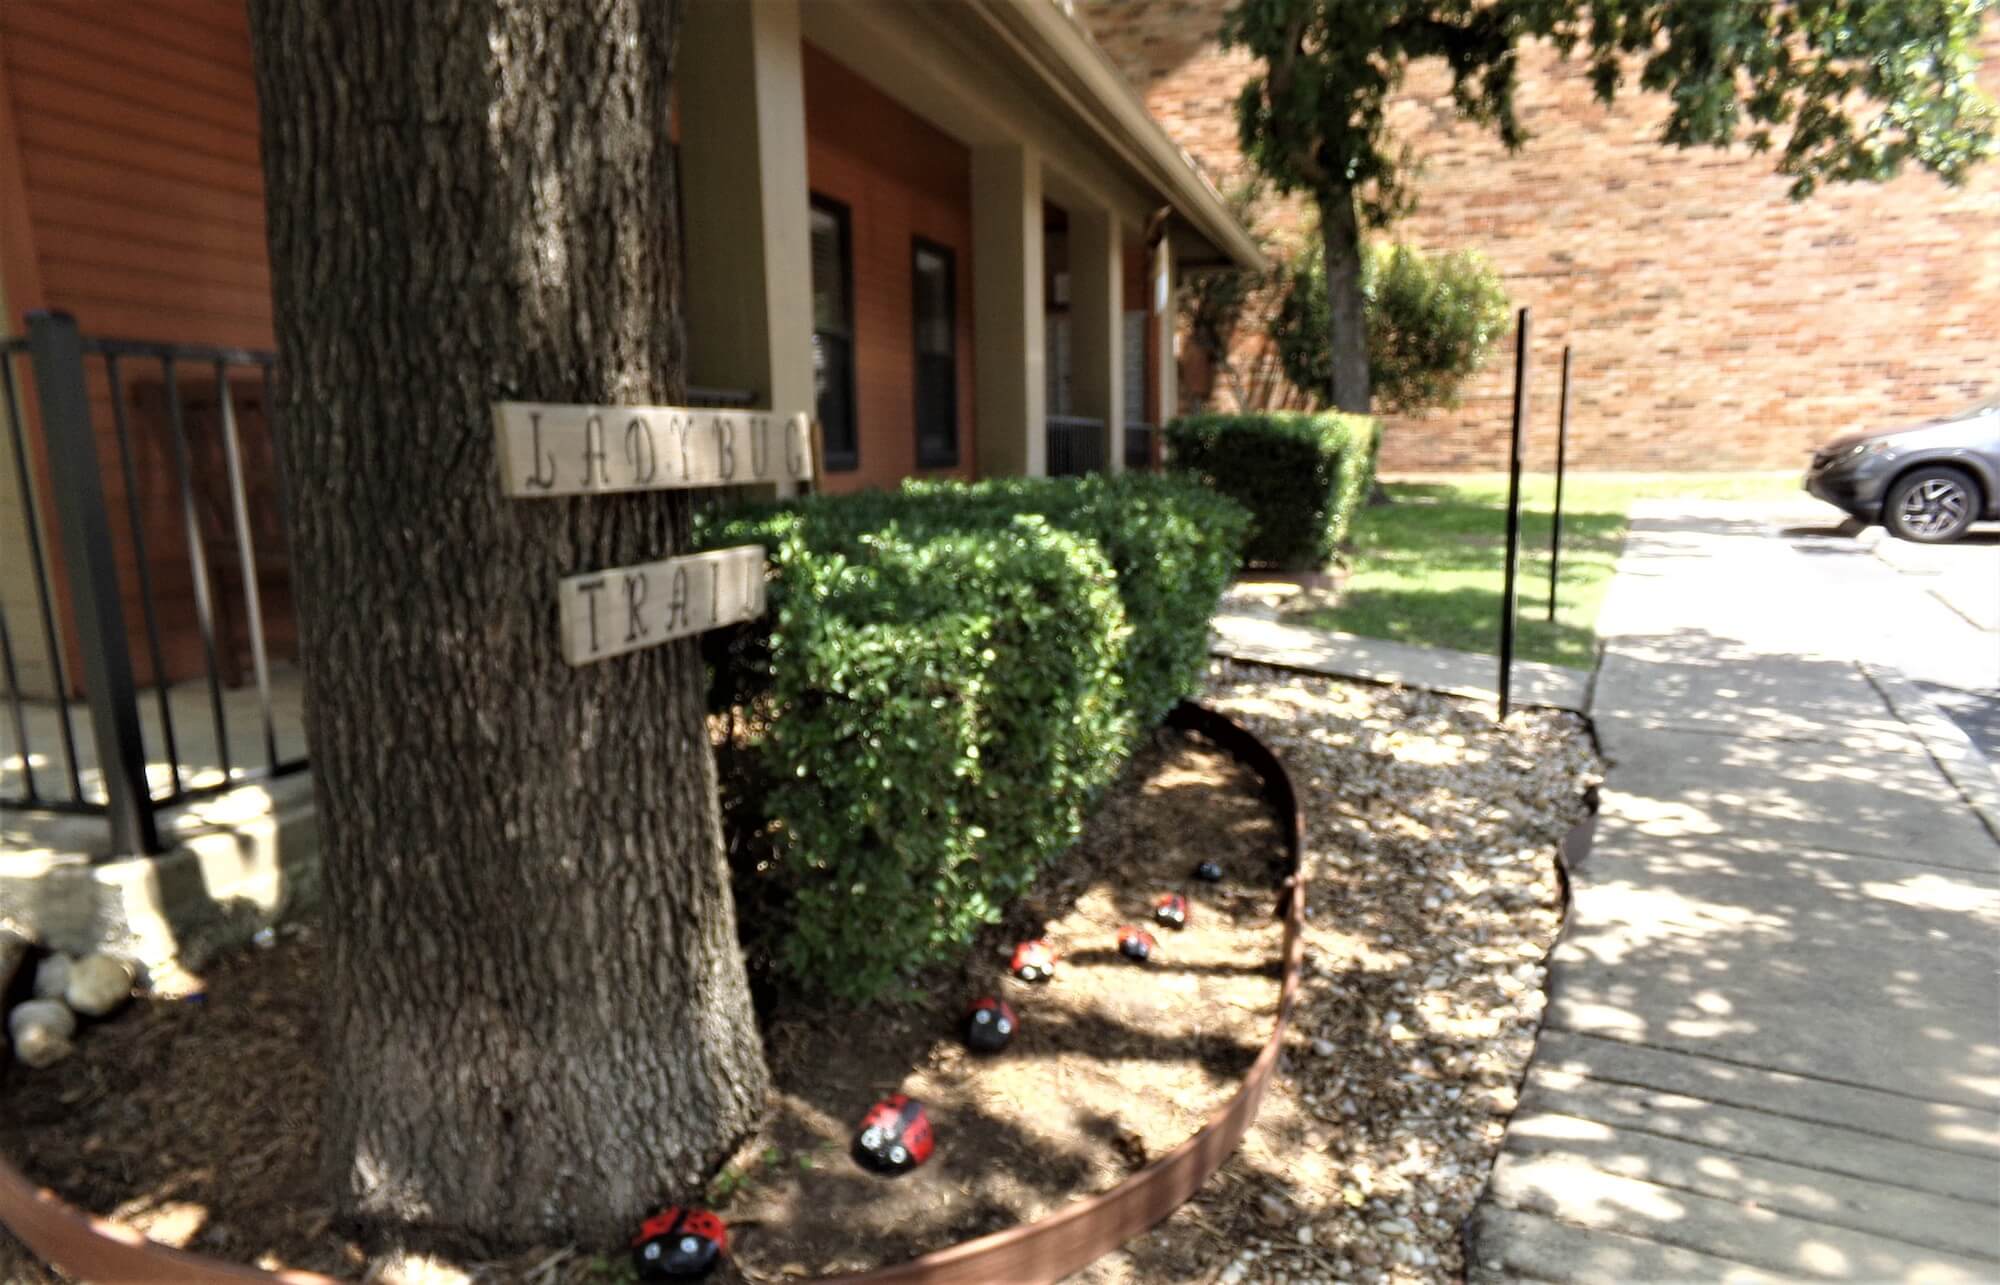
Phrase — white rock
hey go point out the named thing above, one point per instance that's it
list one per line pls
(1276, 1210)
(41, 1029)
(52, 976)
(1322, 1048)
(98, 984)
(1305, 1234)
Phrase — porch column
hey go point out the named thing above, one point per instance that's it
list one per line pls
(744, 201)
(1164, 286)
(1008, 354)
(1097, 326)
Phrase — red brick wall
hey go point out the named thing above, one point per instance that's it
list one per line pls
(900, 178)
(1716, 323)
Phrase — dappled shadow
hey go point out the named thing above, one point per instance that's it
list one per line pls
(1772, 1035)
(1113, 1063)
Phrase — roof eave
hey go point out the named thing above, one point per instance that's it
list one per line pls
(1065, 58)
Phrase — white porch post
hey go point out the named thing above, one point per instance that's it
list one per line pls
(1008, 354)
(1097, 326)
(1167, 372)
(744, 200)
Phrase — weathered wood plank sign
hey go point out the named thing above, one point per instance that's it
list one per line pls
(553, 449)
(608, 613)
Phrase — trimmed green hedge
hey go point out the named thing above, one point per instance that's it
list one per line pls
(946, 678)
(1301, 476)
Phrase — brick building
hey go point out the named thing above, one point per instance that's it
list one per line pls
(1716, 323)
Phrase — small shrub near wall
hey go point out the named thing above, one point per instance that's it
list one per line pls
(946, 678)
(1301, 475)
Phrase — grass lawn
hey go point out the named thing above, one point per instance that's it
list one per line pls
(1428, 568)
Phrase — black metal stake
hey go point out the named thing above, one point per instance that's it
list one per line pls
(1513, 509)
(1562, 449)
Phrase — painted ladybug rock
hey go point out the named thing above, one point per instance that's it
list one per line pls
(679, 1245)
(1136, 943)
(989, 1024)
(895, 1136)
(1208, 872)
(1171, 910)
(1033, 961)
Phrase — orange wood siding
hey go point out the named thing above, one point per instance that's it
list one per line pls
(135, 141)
(900, 179)
(137, 130)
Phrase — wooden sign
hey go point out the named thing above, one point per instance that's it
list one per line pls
(551, 449)
(608, 613)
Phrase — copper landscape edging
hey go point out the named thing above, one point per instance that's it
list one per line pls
(95, 1249)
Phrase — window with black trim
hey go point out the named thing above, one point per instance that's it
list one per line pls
(833, 333)
(934, 280)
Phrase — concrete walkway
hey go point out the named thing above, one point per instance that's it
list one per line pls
(1242, 636)
(1773, 1044)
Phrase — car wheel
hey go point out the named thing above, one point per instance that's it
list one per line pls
(1931, 505)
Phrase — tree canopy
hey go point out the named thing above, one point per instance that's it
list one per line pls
(1856, 88)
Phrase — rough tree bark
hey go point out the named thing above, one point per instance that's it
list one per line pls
(1341, 231)
(538, 1019)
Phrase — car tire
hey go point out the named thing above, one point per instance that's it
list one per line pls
(1932, 505)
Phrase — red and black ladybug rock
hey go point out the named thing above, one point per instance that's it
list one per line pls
(679, 1245)
(1171, 910)
(895, 1135)
(989, 1024)
(1208, 872)
(1034, 961)
(1136, 943)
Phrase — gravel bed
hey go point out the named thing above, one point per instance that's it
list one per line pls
(1431, 834)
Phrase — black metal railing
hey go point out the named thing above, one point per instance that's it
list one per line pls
(1139, 446)
(1076, 445)
(189, 475)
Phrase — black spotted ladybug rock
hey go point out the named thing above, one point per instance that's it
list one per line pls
(1171, 910)
(679, 1245)
(1136, 943)
(989, 1024)
(1208, 872)
(895, 1136)
(1034, 961)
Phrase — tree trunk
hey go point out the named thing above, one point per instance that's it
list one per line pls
(1348, 344)
(538, 1023)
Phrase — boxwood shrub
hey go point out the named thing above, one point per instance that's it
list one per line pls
(946, 678)
(1301, 475)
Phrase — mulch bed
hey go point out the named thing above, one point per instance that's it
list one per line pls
(197, 1121)
(1434, 898)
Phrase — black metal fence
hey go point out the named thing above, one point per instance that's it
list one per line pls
(188, 474)
(1076, 445)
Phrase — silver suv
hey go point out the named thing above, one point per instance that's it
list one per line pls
(1928, 482)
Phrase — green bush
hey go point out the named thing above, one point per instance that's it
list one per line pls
(946, 678)
(1433, 321)
(1301, 476)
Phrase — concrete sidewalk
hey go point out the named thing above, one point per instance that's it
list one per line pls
(1242, 636)
(1773, 1044)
